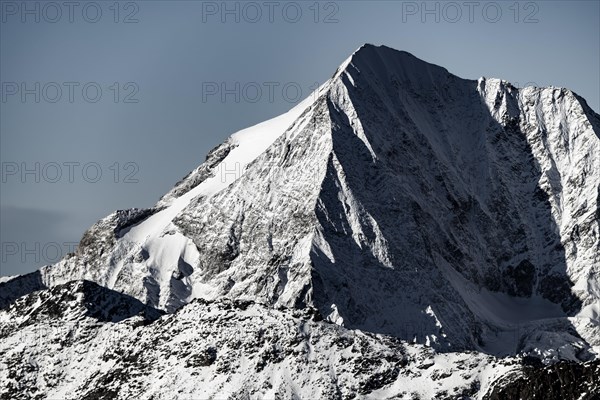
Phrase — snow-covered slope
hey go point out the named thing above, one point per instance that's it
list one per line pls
(52, 347)
(397, 199)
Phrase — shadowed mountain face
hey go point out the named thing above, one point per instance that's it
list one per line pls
(397, 199)
(432, 187)
(20, 286)
(75, 301)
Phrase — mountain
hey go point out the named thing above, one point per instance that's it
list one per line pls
(433, 214)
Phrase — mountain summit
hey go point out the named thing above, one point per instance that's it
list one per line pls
(397, 199)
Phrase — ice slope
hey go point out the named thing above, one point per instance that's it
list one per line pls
(398, 199)
(246, 146)
(164, 249)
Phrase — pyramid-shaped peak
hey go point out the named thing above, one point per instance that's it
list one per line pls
(369, 50)
(383, 62)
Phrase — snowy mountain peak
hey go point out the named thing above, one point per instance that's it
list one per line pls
(384, 64)
(397, 199)
(399, 225)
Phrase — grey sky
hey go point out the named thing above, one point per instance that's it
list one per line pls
(177, 50)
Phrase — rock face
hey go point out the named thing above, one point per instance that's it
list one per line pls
(564, 380)
(398, 199)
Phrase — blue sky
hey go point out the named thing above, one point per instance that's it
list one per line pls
(130, 97)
